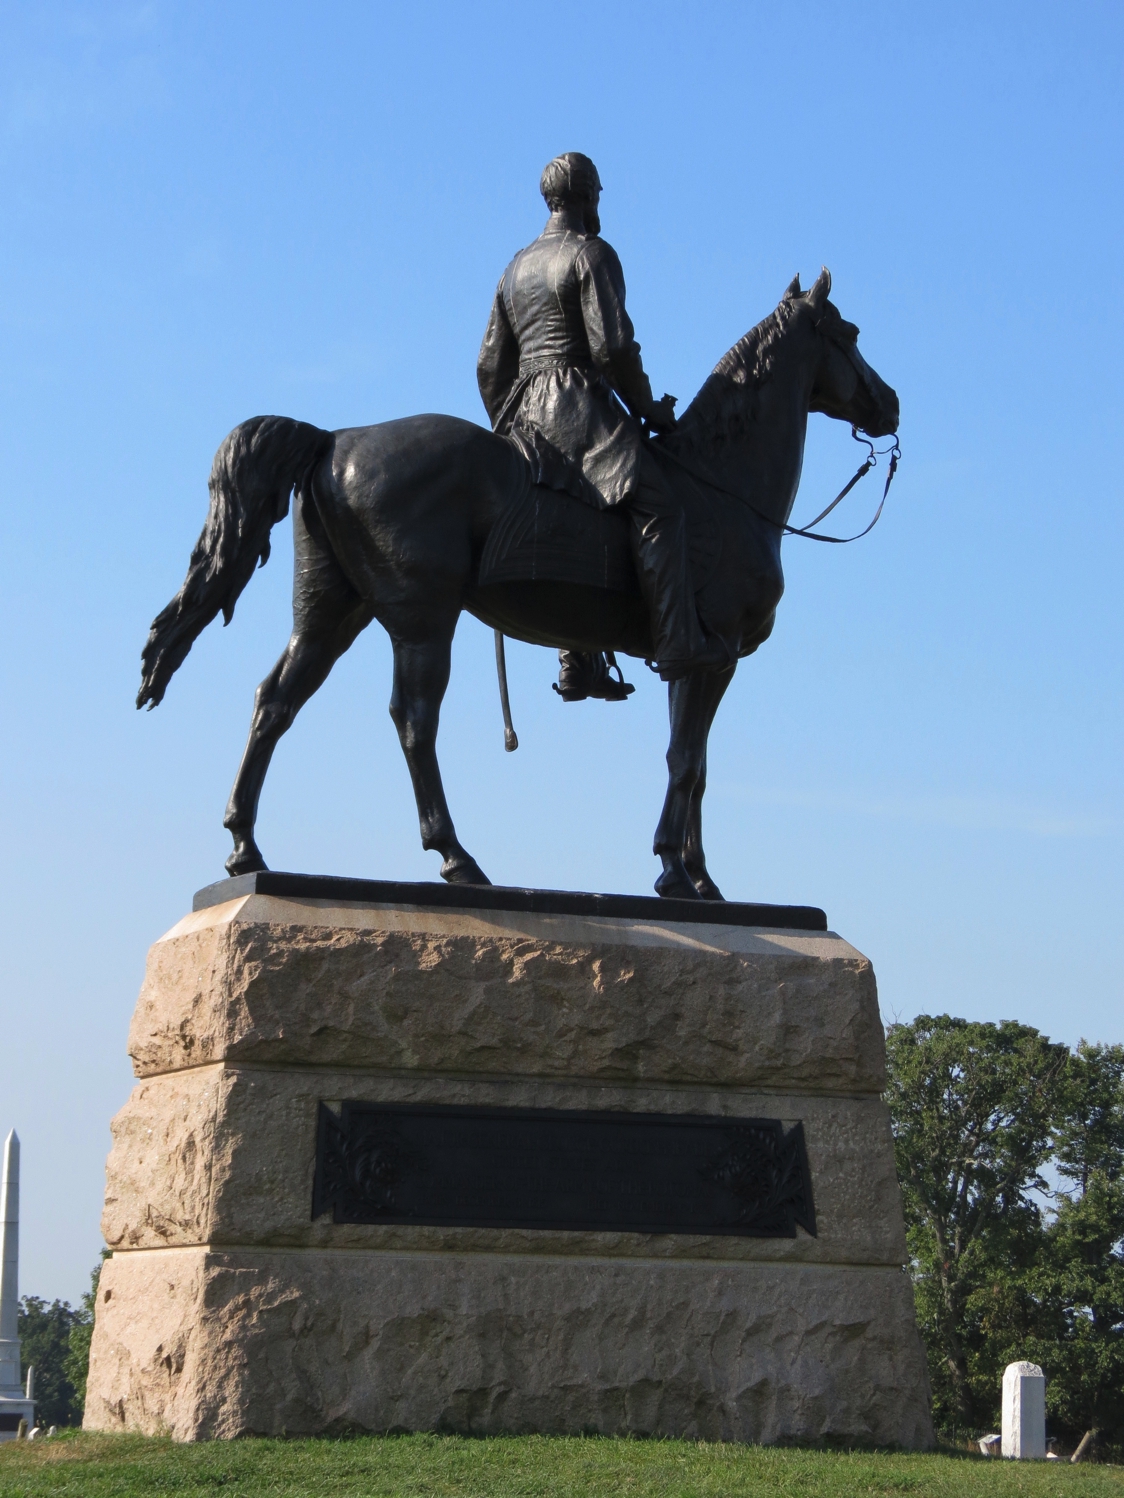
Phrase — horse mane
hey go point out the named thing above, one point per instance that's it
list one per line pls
(725, 406)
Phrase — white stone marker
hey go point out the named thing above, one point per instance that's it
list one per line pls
(1024, 1412)
(15, 1402)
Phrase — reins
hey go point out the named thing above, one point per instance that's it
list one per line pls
(894, 453)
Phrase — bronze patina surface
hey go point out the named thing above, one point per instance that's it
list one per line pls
(588, 520)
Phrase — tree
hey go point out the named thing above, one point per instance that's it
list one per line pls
(971, 1107)
(1089, 1128)
(56, 1343)
(78, 1353)
(1078, 1281)
(44, 1331)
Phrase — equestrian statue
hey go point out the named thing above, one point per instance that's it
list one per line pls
(589, 519)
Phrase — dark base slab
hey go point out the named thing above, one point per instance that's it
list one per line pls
(500, 897)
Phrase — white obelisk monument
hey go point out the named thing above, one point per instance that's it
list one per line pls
(1024, 1412)
(16, 1403)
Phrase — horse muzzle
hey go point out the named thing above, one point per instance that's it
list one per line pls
(884, 421)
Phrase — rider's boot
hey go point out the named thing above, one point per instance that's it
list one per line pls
(575, 675)
(581, 675)
(659, 534)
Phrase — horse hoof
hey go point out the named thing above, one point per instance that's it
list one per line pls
(706, 887)
(675, 884)
(463, 871)
(245, 861)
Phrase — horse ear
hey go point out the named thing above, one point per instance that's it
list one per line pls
(820, 291)
(792, 289)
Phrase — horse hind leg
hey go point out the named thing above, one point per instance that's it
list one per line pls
(421, 674)
(313, 649)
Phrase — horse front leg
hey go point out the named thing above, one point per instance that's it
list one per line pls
(694, 859)
(692, 703)
(685, 751)
(421, 674)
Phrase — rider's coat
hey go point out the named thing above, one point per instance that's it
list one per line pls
(558, 345)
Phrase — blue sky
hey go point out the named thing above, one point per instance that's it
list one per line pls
(212, 211)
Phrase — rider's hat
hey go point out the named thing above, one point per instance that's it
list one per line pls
(569, 178)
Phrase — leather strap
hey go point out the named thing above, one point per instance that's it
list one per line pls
(806, 531)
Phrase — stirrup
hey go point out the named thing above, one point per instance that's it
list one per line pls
(616, 688)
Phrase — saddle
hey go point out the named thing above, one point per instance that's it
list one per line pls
(552, 531)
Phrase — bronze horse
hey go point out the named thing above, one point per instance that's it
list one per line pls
(392, 522)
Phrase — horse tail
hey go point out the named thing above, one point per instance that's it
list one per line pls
(254, 472)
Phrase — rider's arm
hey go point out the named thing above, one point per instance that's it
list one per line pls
(612, 340)
(497, 368)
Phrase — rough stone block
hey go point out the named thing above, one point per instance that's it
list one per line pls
(203, 1343)
(223, 1154)
(290, 982)
(227, 1309)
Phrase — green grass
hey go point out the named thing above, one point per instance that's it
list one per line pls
(96, 1466)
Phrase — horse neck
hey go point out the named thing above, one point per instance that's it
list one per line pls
(748, 423)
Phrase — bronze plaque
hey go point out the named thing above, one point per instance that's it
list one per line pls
(562, 1169)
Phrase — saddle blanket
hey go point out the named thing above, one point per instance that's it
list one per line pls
(550, 534)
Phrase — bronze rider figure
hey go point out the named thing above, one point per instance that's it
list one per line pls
(560, 358)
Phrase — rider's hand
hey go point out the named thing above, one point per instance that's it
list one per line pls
(661, 414)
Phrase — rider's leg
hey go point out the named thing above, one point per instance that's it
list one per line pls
(659, 543)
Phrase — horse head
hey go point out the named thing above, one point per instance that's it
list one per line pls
(844, 385)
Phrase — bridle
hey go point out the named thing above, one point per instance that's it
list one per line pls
(893, 452)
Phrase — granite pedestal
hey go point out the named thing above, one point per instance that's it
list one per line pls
(229, 1308)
